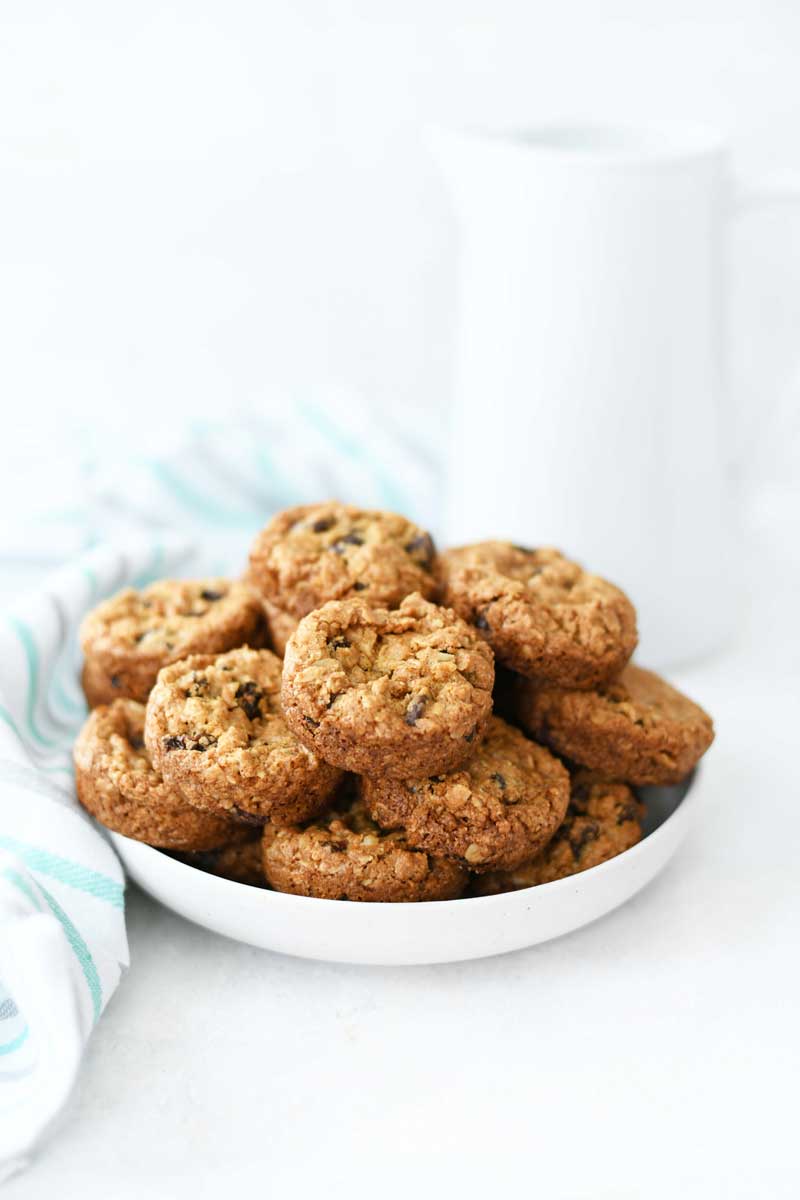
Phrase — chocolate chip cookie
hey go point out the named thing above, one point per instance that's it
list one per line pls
(216, 731)
(345, 856)
(602, 820)
(399, 692)
(128, 639)
(543, 615)
(117, 785)
(636, 728)
(496, 812)
(318, 552)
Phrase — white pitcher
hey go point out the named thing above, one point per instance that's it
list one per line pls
(590, 379)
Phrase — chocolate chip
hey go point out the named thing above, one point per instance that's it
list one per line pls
(311, 723)
(524, 549)
(248, 818)
(360, 587)
(589, 833)
(115, 681)
(481, 622)
(499, 780)
(182, 741)
(210, 595)
(175, 742)
(339, 643)
(469, 737)
(421, 547)
(349, 539)
(628, 812)
(415, 710)
(249, 696)
(322, 524)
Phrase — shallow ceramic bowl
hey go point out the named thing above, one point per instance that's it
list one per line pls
(410, 934)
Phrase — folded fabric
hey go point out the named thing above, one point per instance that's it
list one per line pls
(62, 928)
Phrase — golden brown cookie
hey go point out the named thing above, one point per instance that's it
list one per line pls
(398, 692)
(280, 626)
(117, 785)
(602, 820)
(216, 731)
(636, 728)
(345, 856)
(496, 812)
(241, 862)
(543, 615)
(318, 552)
(128, 639)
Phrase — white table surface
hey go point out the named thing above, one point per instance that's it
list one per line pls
(654, 1053)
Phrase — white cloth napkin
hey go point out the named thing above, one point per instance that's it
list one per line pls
(192, 512)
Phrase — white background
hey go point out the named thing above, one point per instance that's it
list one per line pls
(204, 205)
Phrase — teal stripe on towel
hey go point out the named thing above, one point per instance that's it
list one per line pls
(32, 658)
(83, 879)
(15, 1043)
(81, 951)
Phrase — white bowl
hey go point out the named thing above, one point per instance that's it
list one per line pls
(410, 934)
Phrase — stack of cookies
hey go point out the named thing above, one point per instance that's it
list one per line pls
(363, 719)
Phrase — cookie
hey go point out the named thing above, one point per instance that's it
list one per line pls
(318, 552)
(117, 785)
(216, 731)
(495, 813)
(400, 692)
(128, 639)
(345, 856)
(280, 626)
(636, 728)
(543, 615)
(602, 820)
(241, 862)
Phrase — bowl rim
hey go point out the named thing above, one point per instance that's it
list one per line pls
(257, 895)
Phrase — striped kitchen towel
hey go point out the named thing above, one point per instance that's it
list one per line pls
(62, 926)
(190, 512)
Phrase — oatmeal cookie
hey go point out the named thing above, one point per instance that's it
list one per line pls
(399, 692)
(543, 615)
(117, 785)
(602, 820)
(636, 728)
(242, 862)
(496, 812)
(216, 731)
(345, 856)
(318, 552)
(128, 639)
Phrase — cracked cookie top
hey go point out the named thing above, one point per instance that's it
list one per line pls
(128, 638)
(497, 811)
(215, 729)
(543, 615)
(394, 691)
(318, 552)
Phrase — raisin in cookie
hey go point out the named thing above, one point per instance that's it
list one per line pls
(345, 856)
(636, 728)
(215, 730)
(128, 639)
(543, 615)
(117, 785)
(602, 820)
(496, 812)
(399, 692)
(319, 552)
